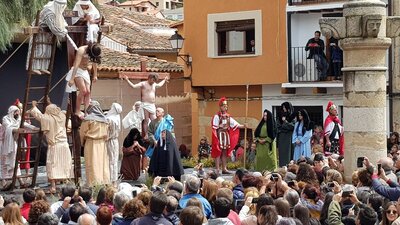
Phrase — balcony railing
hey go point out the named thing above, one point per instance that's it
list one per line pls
(301, 69)
(306, 2)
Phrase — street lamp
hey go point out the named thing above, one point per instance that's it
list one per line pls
(176, 41)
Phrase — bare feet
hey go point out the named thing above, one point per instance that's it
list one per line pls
(80, 114)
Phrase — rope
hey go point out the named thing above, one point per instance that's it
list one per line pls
(9, 57)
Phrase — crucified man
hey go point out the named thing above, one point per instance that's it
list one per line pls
(148, 91)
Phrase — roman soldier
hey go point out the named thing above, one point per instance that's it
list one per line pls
(225, 135)
(333, 129)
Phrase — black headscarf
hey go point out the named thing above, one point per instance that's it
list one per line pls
(289, 114)
(307, 125)
(270, 125)
(134, 135)
(171, 161)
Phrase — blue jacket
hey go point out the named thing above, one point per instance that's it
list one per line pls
(121, 221)
(238, 192)
(392, 192)
(206, 205)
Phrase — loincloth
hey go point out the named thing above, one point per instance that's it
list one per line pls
(149, 107)
(84, 74)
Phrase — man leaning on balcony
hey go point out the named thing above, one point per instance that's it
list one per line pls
(316, 47)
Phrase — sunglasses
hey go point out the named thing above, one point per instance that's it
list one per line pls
(391, 212)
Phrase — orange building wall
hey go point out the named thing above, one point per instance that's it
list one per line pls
(269, 68)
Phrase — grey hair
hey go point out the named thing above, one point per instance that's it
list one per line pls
(120, 199)
(286, 221)
(193, 184)
(292, 196)
(48, 219)
(92, 219)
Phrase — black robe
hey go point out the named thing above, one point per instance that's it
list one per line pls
(166, 160)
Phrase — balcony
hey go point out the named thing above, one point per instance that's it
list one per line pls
(301, 69)
(308, 2)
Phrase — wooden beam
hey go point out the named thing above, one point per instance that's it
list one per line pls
(140, 75)
(288, 90)
(71, 29)
(319, 90)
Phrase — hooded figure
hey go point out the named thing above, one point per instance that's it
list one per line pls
(166, 160)
(94, 134)
(333, 131)
(133, 150)
(266, 146)
(52, 17)
(114, 128)
(59, 161)
(302, 135)
(134, 118)
(285, 126)
(86, 10)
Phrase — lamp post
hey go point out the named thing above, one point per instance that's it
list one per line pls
(176, 41)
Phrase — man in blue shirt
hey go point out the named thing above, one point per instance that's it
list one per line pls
(192, 187)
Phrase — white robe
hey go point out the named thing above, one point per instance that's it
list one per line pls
(133, 119)
(114, 128)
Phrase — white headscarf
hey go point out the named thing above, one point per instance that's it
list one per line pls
(114, 114)
(92, 11)
(9, 124)
(58, 7)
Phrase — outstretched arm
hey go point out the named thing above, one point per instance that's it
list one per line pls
(138, 85)
(166, 79)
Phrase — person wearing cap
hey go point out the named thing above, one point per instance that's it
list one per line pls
(88, 13)
(225, 135)
(51, 16)
(333, 131)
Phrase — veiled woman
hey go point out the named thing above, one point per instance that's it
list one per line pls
(266, 146)
(166, 160)
(285, 126)
(302, 135)
(133, 150)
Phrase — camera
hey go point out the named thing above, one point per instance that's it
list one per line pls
(274, 177)
(346, 194)
(331, 185)
(255, 200)
(379, 168)
(163, 180)
(290, 183)
(360, 162)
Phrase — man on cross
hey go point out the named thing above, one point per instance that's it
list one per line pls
(148, 93)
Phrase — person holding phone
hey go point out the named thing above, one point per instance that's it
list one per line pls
(391, 192)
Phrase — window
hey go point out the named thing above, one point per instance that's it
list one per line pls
(167, 5)
(157, 4)
(234, 34)
(236, 37)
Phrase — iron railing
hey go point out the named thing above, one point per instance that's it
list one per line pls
(301, 69)
(306, 2)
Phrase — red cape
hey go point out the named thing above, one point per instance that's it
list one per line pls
(215, 149)
(328, 120)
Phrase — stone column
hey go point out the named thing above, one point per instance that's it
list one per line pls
(362, 34)
(395, 110)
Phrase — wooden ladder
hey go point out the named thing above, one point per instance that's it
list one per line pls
(32, 89)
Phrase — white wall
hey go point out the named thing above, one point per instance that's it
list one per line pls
(303, 28)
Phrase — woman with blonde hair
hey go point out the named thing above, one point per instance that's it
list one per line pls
(250, 209)
(209, 190)
(12, 215)
(334, 175)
